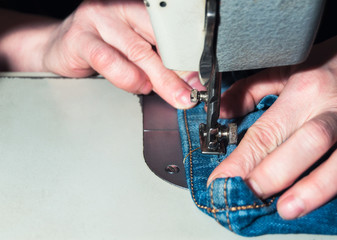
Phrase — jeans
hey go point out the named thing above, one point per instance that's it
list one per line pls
(229, 201)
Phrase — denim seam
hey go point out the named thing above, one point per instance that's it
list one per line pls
(212, 203)
(191, 172)
(226, 204)
(212, 209)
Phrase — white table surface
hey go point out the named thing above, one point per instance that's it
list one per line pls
(72, 167)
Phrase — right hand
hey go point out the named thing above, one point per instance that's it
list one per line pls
(291, 136)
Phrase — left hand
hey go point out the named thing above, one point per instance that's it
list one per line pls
(298, 129)
(114, 38)
(111, 37)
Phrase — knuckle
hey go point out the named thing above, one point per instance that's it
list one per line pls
(132, 80)
(311, 81)
(321, 131)
(99, 57)
(264, 137)
(125, 77)
(139, 51)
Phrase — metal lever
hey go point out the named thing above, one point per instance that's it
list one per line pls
(208, 55)
(214, 137)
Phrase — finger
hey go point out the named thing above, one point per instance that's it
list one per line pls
(311, 192)
(242, 97)
(164, 81)
(112, 65)
(277, 172)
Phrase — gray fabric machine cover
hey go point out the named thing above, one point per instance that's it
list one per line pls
(266, 33)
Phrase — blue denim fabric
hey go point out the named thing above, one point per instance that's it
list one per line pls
(229, 201)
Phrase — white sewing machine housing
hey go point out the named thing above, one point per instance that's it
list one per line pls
(251, 34)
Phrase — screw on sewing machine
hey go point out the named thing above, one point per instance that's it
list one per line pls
(172, 169)
(199, 96)
(147, 4)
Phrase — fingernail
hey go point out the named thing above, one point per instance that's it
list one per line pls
(183, 99)
(290, 207)
(255, 187)
(212, 178)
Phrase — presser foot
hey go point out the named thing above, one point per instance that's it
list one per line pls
(215, 140)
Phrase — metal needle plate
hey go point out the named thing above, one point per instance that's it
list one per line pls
(161, 140)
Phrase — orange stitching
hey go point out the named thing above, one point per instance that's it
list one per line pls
(184, 160)
(212, 203)
(213, 210)
(254, 206)
(191, 173)
(212, 200)
(226, 203)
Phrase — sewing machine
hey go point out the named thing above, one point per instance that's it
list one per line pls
(215, 36)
